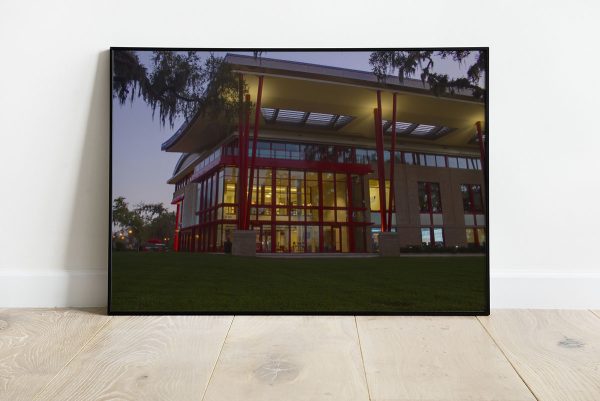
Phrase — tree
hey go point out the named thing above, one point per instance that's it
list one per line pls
(407, 63)
(177, 84)
(144, 221)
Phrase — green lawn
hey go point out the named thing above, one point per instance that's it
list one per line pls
(224, 283)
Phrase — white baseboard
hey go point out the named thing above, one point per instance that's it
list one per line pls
(545, 290)
(65, 288)
(509, 289)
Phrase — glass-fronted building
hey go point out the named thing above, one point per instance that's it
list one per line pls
(316, 179)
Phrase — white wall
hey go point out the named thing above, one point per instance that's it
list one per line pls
(54, 124)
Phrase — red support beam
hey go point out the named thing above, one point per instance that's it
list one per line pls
(481, 146)
(243, 173)
(176, 238)
(380, 162)
(392, 165)
(254, 145)
(240, 141)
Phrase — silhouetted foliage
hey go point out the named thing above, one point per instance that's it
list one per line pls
(144, 221)
(177, 84)
(406, 64)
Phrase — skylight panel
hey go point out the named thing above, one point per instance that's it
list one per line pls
(416, 129)
(290, 116)
(305, 118)
(443, 130)
(400, 126)
(341, 121)
(321, 119)
(268, 113)
(422, 129)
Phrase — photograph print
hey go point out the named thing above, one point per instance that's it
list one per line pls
(322, 181)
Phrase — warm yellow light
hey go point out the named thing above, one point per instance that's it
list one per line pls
(130, 232)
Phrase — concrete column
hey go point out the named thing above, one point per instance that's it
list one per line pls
(389, 244)
(243, 243)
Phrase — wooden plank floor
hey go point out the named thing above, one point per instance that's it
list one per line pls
(512, 355)
(557, 353)
(435, 358)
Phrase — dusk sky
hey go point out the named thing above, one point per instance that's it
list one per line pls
(141, 169)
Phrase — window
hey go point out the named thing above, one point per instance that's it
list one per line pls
(440, 161)
(374, 201)
(431, 218)
(432, 236)
(430, 200)
(472, 199)
(328, 189)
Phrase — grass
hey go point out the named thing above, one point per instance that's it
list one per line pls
(192, 282)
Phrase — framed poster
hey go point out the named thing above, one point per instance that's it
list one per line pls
(286, 181)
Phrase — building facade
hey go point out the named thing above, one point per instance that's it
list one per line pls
(317, 180)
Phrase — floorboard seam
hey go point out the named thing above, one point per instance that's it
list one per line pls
(36, 395)
(212, 372)
(507, 359)
(362, 359)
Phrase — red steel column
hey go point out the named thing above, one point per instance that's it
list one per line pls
(176, 238)
(254, 145)
(481, 146)
(380, 162)
(243, 173)
(392, 165)
(240, 145)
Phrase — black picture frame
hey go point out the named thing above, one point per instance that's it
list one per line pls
(483, 312)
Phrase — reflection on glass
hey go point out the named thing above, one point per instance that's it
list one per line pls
(312, 239)
(438, 236)
(297, 215)
(282, 187)
(374, 195)
(297, 188)
(297, 238)
(344, 239)
(312, 214)
(312, 189)
(282, 236)
(436, 200)
(440, 161)
(477, 198)
(341, 190)
(328, 215)
(425, 236)
(264, 213)
(282, 214)
(357, 191)
(481, 236)
(328, 190)
(470, 236)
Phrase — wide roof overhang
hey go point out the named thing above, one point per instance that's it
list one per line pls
(319, 89)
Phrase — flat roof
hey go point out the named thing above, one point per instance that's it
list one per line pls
(310, 100)
(334, 74)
